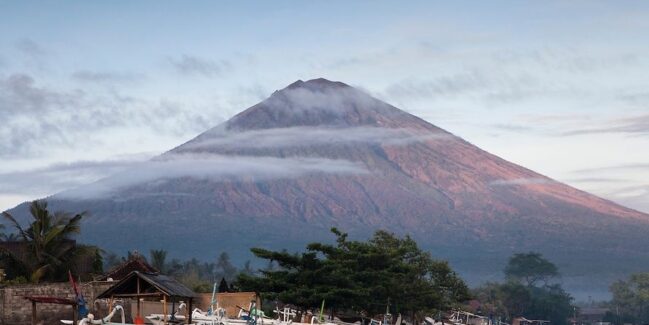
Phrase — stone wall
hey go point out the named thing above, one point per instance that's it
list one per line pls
(16, 310)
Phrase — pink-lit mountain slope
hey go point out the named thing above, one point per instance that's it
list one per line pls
(318, 154)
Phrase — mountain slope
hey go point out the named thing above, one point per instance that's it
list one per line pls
(318, 154)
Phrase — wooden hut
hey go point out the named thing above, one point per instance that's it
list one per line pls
(135, 262)
(138, 285)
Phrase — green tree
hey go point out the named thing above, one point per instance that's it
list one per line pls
(527, 292)
(223, 286)
(506, 300)
(631, 296)
(247, 268)
(550, 302)
(159, 259)
(360, 276)
(224, 268)
(530, 269)
(50, 249)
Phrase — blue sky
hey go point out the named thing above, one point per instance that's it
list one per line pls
(89, 87)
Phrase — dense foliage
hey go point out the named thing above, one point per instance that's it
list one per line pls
(198, 275)
(45, 250)
(631, 299)
(360, 276)
(530, 268)
(527, 292)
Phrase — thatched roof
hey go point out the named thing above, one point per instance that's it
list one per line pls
(138, 284)
(135, 263)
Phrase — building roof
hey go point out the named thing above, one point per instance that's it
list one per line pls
(134, 263)
(150, 284)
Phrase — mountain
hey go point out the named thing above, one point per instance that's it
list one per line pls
(319, 154)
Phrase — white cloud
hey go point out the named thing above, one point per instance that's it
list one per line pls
(310, 136)
(521, 181)
(211, 167)
(193, 65)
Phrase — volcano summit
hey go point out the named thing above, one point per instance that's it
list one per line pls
(319, 154)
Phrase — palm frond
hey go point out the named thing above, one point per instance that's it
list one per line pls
(16, 225)
(39, 273)
(73, 225)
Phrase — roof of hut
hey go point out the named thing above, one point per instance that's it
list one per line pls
(139, 284)
(135, 262)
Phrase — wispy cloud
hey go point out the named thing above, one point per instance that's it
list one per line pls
(596, 180)
(30, 48)
(62, 176)
(216, 168)
(565, 58)
(622, 167)
(519, 128)
(633, 125)
(197, 66)
(105, 77)
(449, 85)
(474, 84)
(521, 181)
(219, 139)
(37, 117)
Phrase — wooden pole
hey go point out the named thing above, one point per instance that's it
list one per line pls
(34, 313)
(138, 298)
(187, 313)
(164, 309)
(74, 315)
(189, 310)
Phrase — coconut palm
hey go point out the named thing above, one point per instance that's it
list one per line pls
(158, 259)
(48, 251)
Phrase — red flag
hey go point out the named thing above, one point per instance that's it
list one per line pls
(83, 311)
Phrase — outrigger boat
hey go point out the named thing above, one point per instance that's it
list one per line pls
(90, 318)
(459, 317)
(173, 318)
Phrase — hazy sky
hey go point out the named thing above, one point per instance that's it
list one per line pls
(91, 88)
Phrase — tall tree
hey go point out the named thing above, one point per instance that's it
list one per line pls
(159, 259)
(223, 286)
(360, 276)
(631, 297)
(224, 268)
(247, 268)
(527, 292)
(50, 250)
(530, 269)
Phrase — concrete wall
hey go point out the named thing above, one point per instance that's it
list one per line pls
(230, 301)
(16, 310)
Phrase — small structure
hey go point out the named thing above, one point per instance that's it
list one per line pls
(138, 285)
(51, 300)
(134, 263)
(592, 316)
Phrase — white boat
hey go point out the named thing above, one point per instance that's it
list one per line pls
(459, 317)
(90, 319)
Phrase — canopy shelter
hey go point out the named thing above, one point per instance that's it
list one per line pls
(138, 285)
(51, 300)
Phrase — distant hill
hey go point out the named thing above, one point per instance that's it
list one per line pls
(318, 154)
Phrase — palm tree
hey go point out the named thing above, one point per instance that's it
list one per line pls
(158, 259)
(49, 250)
